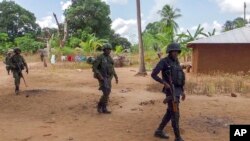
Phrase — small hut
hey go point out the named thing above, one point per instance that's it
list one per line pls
(228, 52)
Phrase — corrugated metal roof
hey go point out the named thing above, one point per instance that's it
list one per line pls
(236, 36)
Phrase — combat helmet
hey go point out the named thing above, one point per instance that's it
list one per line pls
(17, 50)
(106, 46)
(174, 47)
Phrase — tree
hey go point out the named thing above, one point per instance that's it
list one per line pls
(236, 23)
(17, 21)
(239, 22)
(91, 16)
(117, 40)
(154, 28)
(92, 44)
(169, 15)
(142, 68)
(185, 38)
(28, 44)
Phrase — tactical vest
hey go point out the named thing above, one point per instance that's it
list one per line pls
(175, 71)
(18, 62)
(105, 67)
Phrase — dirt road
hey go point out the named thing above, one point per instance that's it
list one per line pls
(59, 105)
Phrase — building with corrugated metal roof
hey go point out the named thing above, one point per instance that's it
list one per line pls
(228, 52)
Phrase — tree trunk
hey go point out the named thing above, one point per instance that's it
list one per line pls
(142, 69)
(65, 31)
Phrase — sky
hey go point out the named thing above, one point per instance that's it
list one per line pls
(209, 13)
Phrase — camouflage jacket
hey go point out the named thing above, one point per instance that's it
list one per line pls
(104, 66)
(17, 62)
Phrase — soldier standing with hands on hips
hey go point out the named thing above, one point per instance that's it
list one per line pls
(173, 80)
(103, 68)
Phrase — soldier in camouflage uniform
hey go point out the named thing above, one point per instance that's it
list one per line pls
(104, 71)
(172, 75)
(7, 60)
(17, 65)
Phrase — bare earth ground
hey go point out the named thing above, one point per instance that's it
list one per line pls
(59, 105)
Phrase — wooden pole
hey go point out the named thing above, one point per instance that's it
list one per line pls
(142, 69)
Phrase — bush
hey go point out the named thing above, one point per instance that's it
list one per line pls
(28, 44)
(118, 49)
(74, 42)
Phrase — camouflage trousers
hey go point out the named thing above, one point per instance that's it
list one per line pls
(173, 116)
(8, 69)
(105, 87)
(105, 96)
(17, 76)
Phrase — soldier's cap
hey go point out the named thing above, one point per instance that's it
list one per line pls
(106, 46)
(174, 47)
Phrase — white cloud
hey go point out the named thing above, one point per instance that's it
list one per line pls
(121, 2)
(234, 6)
(47, 21)
(127, 28)
(65, 5)
(208, 27)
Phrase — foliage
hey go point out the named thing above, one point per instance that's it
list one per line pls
(169, 15)
(91, 16)
(67, 50)
(236, 23)
(117, 40)
(154, 28)
(28, 44)
(74, 42)
(16, 21)
(92, 44)
(118, 49)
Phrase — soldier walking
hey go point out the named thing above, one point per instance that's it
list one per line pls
(104, 71)
(17, 65)
(173, 80)
(7, 60)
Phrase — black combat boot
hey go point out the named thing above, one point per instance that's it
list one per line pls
(17, 90)
(161, 134)
(99, 107)
(105, 110)
(179, 139)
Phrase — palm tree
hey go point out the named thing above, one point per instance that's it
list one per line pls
(209, 34)
(142, 68)
(169, 15)
(199, 32)
(184, 39)
(92, 44)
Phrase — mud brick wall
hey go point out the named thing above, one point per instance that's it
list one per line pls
(228, 58)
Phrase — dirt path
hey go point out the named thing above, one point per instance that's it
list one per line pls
(59, 105)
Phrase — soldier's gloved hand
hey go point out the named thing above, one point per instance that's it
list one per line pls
(183, 97)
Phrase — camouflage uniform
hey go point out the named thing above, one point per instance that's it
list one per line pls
(17, 64)
(104, 71)
(170, 68)
(7, 62)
